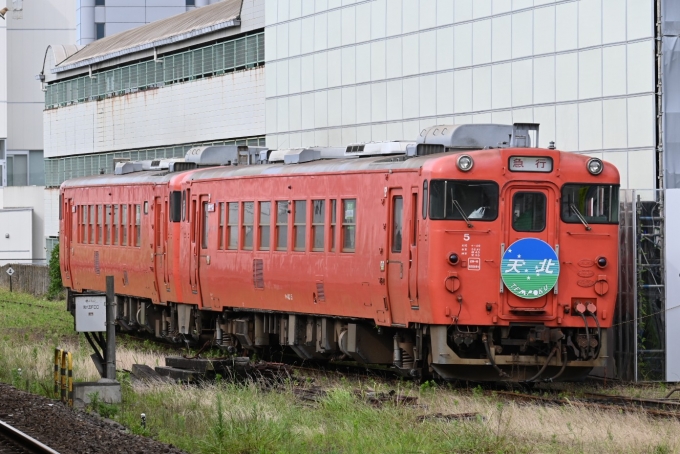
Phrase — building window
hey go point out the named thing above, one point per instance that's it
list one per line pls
(99, 2)
(220, 229)
(265, 219)
(100, 29)
(318, 224)
(299, 225)
(189, 2)
(281, 226)
(233, 225)
(349, 227)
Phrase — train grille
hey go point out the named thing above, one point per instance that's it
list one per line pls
(258, 273)
(96, 262)
(320, 292)
(425, 149)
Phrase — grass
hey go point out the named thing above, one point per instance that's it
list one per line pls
(224, 417)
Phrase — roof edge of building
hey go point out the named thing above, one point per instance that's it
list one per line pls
(150, 45)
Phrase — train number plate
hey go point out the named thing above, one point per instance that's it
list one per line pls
(530, 164)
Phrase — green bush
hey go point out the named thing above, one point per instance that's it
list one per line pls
(56, 287)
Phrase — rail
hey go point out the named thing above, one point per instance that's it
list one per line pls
(14, 440)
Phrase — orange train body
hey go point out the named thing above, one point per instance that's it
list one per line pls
(374, 258)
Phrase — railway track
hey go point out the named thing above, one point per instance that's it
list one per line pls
(13, 441)
(658, 408)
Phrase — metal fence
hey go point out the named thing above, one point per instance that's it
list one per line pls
(220, 58)
(33, 279)
(58, 170)
(639, 322)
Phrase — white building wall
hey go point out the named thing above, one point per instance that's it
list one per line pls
(51, 207)
(30, 198)
(342, 71)
(214, 108)
(16, 227)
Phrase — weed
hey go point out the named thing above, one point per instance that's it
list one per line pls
(100, 407)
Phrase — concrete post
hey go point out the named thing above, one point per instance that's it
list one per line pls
(110, 330)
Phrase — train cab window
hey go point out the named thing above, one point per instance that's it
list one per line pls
(100, 223)
(138, 225)
(299, 224)
(455, 200)
(264, 222)
(248, 220)
(124, 224)
(318, 227)
(232, 225)
(595, 203)
(116, 220)
(528, 211)
(334, 217)
(349, 227)
(397, 222)
(91, 224)
(206, 224)
(222, 213)
(281, 226)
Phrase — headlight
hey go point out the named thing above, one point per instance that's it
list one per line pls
(465, 162)
(595, 166)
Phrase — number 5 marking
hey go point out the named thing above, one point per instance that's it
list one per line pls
(466, 237)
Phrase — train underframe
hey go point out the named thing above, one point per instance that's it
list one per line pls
(522, 352)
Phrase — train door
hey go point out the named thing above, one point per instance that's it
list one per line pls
(398, 251)
(206, 208)
(530, 264)
(413, 250)
(160, 244)
(194, 235)
(67, 210)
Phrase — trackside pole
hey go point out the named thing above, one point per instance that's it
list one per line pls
(110, 330)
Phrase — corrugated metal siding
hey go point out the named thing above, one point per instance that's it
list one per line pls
(217, 59)
(58, 170)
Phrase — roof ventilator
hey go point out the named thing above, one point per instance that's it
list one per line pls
(443, 138)
(225, 155)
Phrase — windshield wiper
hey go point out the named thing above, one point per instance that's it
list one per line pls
(579, 215)
(462, 213)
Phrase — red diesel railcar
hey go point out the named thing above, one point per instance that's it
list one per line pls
(470, 259)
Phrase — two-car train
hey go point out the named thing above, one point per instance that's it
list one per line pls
(467, 254)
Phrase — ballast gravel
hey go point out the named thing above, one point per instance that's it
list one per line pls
(71, 431)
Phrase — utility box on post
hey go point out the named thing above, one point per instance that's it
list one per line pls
(90, 313)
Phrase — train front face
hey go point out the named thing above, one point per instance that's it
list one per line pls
(523, 262)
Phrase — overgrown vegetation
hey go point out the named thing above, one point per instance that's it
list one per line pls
(56, 288)
(226, 418)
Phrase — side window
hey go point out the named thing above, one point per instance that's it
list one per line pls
(528, 211)
(299, 224)
(100, 223)
(349, 227)
(220, 229)
(248, 220)
(334, 218)
(233, 225)
(107, 224)
(116, 221)
(265, 220)
(83, 224)
(176, 206)
(397, 222)
(138, 225)
(281, 226)
(318, 224)
(184, 205)
(414, 218)
(206, 224)
(424, 199)
(124, 224)
(91, 225)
